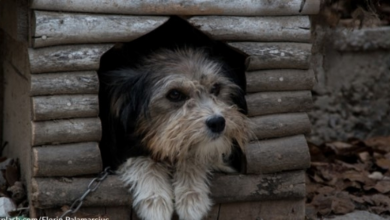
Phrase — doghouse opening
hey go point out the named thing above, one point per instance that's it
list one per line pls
(175, 33)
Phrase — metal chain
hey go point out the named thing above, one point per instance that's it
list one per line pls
(92, 186)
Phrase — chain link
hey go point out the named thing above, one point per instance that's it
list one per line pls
(92, 187)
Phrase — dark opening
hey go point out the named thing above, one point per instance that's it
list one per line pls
(175, 33)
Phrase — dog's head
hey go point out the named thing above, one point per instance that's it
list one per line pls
(180, 104)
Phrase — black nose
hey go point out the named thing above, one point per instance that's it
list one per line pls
(216, 124)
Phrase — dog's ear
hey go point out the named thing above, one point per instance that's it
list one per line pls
(128, 98)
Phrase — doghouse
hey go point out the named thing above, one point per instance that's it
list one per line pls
(51, 52)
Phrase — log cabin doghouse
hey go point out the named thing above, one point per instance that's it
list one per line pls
(51, 54)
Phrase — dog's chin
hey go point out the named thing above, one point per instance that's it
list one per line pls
(214, 136)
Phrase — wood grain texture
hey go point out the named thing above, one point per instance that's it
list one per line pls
(183, 7)
(277, 155)
(211, 215)
(109, 212)
(64, 106)
(280, 125)
(280, 29)
(264, 103)
(279, 80)
(285, 209)
(65, 83)
(244, 188)
(66, 58)
(66, 131)
(53, 192)
(67, 160)
(275, 55)
(57, 28)
(14, 19)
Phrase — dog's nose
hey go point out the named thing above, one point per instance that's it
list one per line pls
(216, 124)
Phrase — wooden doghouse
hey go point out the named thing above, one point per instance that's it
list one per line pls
(51, 53)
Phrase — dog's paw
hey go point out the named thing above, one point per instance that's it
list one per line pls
(192, 205)
(155, 208)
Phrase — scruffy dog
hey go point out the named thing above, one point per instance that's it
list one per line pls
(172, 121)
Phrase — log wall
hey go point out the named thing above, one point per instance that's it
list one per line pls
(183, 7)
(66, 41)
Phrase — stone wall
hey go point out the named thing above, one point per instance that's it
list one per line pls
(352, 96)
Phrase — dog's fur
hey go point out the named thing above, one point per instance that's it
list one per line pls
(159, 131)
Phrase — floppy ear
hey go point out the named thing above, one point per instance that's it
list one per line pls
(127, 96)
(122, 99)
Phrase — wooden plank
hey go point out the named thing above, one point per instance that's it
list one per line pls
(17, 105)
(52, 192)
(278, 102)
(64, 106)
(57, 28)
(275, 55)
(280, 29)
(211, 215)
(67, 160)
(182, 7)
(279, 80)
(241, 188)
(56, 192)
(66, 58)
(277, 155)
(275, 210)
(362, 39)
(65, 83)
(98, 213)
(14, 19)
(280, 125)
(66, 131)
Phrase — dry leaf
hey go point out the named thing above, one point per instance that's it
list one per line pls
(383, 163)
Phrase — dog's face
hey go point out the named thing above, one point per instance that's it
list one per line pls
(187, 107)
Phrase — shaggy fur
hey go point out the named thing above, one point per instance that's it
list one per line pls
(172, 121)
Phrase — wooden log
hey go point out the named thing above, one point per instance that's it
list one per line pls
(64, 106)
(65, 83)
(182, 7)
(264, 103)
(279, 80)
(362, 39)
(92, 213)
(280, 125)
(277, 155)
(276, 55)
(275, 210)
(67, 160)
(66, 131)
(66, 58)
(211, 215)
(285, 28)
(55, 28)
(54, 192)
(244, 188)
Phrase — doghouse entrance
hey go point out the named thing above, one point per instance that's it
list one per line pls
(176, 33)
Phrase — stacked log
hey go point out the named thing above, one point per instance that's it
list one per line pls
(67, 40)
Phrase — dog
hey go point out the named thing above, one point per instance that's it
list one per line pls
(172, 121)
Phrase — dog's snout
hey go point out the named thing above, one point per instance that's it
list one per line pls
(216, 124)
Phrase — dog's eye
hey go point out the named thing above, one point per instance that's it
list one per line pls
(175, 95)
(215, 89)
